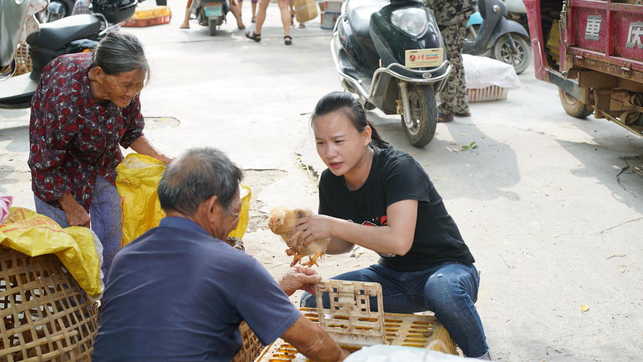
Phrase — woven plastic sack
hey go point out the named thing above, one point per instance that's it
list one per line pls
(33, 234)
(137, 183)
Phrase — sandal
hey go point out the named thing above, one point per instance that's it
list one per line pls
(256, 37)
(466, 114)
(184, 27)
(254, 19)
(445, 117)
(288, 40)
(302, 26)
(241, 27)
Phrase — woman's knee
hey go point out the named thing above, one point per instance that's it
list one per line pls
(442, 291)
(283, 4)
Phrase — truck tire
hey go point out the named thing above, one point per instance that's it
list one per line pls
(424, 114)
(573, 106)
(502, 52)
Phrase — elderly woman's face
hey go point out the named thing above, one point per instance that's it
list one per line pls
(121, 88)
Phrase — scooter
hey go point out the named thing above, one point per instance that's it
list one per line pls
(490, 34)
(57, 10)
(211, 13)
(73, 34)
(391, 54)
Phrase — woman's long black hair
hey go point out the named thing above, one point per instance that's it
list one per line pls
(346, 103)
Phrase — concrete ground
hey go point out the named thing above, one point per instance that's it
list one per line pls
(551, 206)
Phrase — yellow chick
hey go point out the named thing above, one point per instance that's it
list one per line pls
(282, 221)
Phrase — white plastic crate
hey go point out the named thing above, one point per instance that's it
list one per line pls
(492, 93)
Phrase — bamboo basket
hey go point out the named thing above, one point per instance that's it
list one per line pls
(351, 323)
(45, 315)
(251, 345)
(23, 60)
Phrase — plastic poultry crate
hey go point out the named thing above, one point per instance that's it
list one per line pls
(351, 323)
(492, 93)
(148, 16)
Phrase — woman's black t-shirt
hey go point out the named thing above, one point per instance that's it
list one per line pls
(396, 176)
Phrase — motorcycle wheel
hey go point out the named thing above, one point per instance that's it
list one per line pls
(212, 26)
(573, 106)
(519, 59)
(424, 114)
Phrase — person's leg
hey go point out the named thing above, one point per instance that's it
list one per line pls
(451, 292)
(396, 297)
(186, 19)
(240, 6)
(285, 16)
(107, 218)
(448, 93)
(461, 104)
(51, 212)
(234, 8)
(253, 4)
(261, 16)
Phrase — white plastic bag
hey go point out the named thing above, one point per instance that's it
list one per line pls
(382, 353)
(483, 72)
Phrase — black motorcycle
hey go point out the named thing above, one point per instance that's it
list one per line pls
(391, 55)
(497, 37)
(73, 34)
(56, 10)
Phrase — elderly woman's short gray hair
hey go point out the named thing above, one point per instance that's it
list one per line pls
(196, 176)
(120, 52)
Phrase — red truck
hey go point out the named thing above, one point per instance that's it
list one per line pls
(593, 51)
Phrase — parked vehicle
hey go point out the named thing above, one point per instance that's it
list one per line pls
(69, 35)
(489, 33)
(57, 10)
(210, 13)
(593, 52)
(391, 55)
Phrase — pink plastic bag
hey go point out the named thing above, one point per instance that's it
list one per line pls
(5, 205)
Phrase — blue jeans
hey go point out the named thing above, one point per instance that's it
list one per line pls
(449, 290)
(106, 218)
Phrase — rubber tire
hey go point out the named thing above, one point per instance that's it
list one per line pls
(212, 27)
(424, 98)
(520, 42)
(573, 106)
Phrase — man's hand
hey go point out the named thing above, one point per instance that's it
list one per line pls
(299, 277)
(76, 214)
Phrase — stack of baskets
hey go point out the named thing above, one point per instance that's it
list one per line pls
(44, 314)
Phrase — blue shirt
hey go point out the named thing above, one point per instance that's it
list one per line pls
(178, 294)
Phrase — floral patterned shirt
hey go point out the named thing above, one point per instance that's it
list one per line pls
(72, 138)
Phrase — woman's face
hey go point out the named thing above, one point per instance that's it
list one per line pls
(339, 144)
(121, 88)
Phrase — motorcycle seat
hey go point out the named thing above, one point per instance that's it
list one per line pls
(56, 34)
(359, 15)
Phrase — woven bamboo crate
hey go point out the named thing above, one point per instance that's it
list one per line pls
(23, 60)
(492, 93)
(149, 16)
(251, 347)
(44, 314)
(353, 325)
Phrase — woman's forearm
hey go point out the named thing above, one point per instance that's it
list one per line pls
(382, 239)
(143, 146)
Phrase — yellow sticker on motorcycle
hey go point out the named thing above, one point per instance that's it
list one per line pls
(424, 58)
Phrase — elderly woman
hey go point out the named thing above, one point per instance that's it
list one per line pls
(85, 106)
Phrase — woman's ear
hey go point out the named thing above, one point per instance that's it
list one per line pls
(367, 133)
(99, 75)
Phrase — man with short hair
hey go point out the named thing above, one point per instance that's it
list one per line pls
(178, 292)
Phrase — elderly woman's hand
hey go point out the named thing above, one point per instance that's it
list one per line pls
(299, 277)
(76, 214)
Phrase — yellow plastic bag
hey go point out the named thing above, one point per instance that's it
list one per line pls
(137, 183)
(33, 234)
